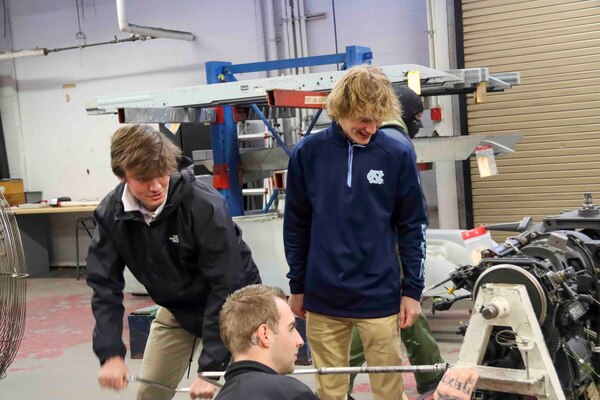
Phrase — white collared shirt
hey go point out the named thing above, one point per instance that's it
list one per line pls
(131, 203)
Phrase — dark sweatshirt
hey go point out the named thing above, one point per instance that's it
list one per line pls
(348, 207)
(250, 380)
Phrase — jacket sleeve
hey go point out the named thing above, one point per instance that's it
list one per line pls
(225, 270)
(410, 219)
(105, 277)
(296, 223)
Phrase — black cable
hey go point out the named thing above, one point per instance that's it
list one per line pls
(78, 17)
(335, 31)
(191, 358)
(5, 16)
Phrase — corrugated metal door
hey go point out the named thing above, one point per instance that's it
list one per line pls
(555, 45)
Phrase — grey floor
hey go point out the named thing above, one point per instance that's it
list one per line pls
(55, 360)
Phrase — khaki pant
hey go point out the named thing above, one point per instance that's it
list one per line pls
(329, 340)
(421, 348)
(166, 356)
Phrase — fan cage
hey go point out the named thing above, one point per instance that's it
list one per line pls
(13, 287)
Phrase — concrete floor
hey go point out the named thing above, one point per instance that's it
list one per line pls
(55, 360)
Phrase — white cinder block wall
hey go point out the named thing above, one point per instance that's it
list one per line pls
(56, 148)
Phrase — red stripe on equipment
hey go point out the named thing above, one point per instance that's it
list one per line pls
(425, 166)
(296, 98)
(220, 176)
(474, 233)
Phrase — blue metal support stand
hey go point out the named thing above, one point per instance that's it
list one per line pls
(354, 55)
(226, 153)
(274, 133)
(313, 122)
(271, 200)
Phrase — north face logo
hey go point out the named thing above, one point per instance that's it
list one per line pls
(174, 239)
(375, 177)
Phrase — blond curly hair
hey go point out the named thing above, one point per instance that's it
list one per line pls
(365, 93)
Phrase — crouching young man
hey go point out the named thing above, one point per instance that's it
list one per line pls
(259, 329)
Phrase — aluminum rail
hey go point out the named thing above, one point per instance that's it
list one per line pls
(247, 92)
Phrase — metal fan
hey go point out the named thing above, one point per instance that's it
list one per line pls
(13, 286)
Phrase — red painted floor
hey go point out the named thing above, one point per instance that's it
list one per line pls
(59, 316)
(55, 360)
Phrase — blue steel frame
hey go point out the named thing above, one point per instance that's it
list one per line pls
(225, 147)
(224, 133)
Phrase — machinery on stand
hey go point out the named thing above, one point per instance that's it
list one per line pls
(535, 323)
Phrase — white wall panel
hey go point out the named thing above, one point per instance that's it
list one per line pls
(61, 142)
(60, 150)
(395, 30)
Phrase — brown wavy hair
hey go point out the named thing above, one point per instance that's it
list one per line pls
(365, 93)
(143, 152)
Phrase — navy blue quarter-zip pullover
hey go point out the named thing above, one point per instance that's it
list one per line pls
(347, 208)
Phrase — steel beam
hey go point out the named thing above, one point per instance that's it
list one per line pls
(354, 55)
(167, 115)
(244, 93)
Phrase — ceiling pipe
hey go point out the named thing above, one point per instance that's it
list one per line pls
(124, 26)
(23, 53)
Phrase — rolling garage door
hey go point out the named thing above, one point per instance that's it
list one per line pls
(555, 45)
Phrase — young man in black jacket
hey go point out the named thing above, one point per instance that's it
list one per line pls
(259, 329)
(178, 239)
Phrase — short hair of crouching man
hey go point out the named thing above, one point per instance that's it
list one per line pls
(245, 311)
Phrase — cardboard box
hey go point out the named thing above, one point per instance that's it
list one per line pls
(13, 191)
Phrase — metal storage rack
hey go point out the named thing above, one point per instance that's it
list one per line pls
(224, 100)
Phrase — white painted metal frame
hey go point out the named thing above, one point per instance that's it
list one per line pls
(249, 91)
(539, 378)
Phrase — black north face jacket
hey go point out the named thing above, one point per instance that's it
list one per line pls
(189, 259)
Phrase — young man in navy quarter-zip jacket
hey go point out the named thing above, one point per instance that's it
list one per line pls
(421, 347)
(353, 196)
(176, 236)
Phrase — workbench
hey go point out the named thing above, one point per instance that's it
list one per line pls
(53, 210)
(35, 233)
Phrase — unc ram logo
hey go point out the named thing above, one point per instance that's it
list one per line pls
(375, 177)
